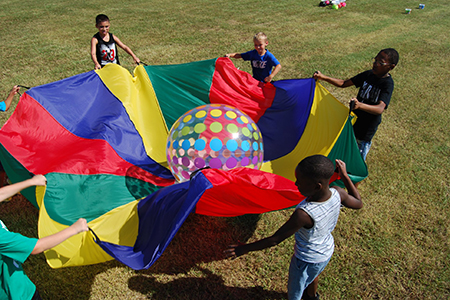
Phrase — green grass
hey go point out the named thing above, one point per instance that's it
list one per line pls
(396, 247)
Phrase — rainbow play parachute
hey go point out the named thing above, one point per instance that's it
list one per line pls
(100, 139)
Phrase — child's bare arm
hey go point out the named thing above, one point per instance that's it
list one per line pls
(12, 189)
(350, 198)
(10, 97)
(233, 55)
(94, 43)
(53, 240)
(376, 109)
(272, 75)
(127, 50)
(334, 81)
(297, 220)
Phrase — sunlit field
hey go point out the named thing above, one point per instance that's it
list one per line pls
(396, 247)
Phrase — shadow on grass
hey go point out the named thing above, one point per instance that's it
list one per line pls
(201, 239)
(209, 287)
(65, 283)
(21, 216)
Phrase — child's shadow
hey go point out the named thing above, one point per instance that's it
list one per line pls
(209, 287)
(201, 239)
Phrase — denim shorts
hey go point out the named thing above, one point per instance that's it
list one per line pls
(301, 274)
(364, 148)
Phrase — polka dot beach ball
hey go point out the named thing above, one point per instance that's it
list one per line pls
(216, 136)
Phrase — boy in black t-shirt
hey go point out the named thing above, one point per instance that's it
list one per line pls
(375, 91)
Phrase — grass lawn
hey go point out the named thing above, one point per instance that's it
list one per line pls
(396, 247)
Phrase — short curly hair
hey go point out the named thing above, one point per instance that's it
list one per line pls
(316, 167)
(392, 54)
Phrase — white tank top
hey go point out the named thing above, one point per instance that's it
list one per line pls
(316, 244)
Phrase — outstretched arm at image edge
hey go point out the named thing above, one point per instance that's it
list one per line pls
(10, 97)
(12, 189)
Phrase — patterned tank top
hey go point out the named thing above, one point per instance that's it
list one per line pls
(316, 244)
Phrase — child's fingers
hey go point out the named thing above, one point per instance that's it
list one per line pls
(230, 248)
(40, 179)
(231, 255)
(83, 224)
(230, 252)
(340, 165)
